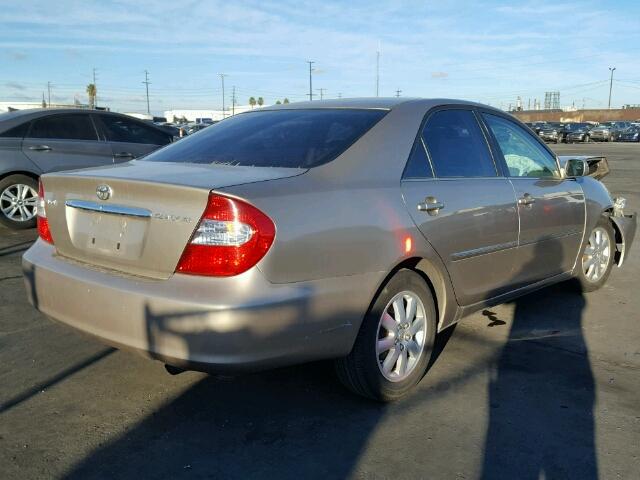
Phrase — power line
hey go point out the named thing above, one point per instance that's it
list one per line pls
(146, 83)
(321, 90)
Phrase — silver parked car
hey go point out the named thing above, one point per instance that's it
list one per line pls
(33, 142)
(353, 230)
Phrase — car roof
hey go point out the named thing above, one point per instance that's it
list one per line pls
(385, 103)
(9, 120)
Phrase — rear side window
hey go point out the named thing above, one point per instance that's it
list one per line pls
(16, 132)
(124, 130)
(279, 138)
(418, 163)
(457, 146)
(64, 127)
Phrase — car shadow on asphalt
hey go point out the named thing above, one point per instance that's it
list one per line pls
(298, 422)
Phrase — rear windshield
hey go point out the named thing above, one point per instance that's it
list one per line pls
(278, 138)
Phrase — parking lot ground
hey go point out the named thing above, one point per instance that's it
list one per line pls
(543, 387)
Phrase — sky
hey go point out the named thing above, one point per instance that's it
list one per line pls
(487, 51)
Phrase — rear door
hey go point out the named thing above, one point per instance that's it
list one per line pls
(462, 204)
(130, 138)
(551, 208)
(65, 141)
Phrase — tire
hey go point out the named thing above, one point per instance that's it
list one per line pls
(588, 281)
(11, 188)
(363, 370)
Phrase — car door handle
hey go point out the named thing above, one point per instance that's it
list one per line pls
(40, 148)
(431, 205)
(526, 199)
(124, 155)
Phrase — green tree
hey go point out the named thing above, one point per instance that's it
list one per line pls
(278, 102)
(252, 102)
(285, 101)
(44, 104)
(260, 101)
(92, 92)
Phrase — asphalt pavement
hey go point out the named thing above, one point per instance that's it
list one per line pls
(543, 387)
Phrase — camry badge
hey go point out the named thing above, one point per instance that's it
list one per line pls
(104, 192)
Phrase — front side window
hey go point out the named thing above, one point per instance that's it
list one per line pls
(129, 131)
(16, 132)
(296, 138)
(523, 154)
(64, 127)
(456, 145)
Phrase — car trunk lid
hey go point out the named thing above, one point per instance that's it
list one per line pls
(137, 218)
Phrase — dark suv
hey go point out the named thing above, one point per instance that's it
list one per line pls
(33, 142)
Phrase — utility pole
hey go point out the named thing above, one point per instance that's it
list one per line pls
(222, 75)
(339, 94)
(611, 84)
(146, 83)
(310, 82)
(321, 90)
(398, 92)
(233, 100)
(95, 98)
(49, 94)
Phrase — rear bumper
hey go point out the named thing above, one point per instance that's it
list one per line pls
(211, 324)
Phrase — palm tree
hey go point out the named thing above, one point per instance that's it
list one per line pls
(92, 92)
(285, 101)
(252, 102)
(260, 101)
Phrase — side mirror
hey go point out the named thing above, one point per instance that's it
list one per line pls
(576, 167)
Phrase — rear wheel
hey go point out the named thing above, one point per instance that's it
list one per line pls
(597, 256)
(18, 201)
(395, 342)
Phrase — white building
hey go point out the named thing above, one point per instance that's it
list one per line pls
(193, 115)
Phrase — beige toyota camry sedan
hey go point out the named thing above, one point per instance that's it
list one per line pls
(353, 230)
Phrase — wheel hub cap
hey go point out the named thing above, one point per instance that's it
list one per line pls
(401, 336)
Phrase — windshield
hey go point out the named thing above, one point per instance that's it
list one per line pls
(576, 126)
(300, 138)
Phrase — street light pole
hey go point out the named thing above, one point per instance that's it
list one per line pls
(310, 83)
(222, 75)
(611, 84)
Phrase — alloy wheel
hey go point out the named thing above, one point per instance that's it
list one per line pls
(597, 255)
(18, 202)
(401, 336)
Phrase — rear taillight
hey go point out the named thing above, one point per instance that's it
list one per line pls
(232, 237)
(41, 217)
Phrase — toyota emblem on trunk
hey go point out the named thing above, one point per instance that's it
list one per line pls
(104, 192)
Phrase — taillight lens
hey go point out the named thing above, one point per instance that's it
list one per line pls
(41, 217)
(232, 237)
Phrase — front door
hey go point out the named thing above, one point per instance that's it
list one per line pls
(551, 208)
(464, 208)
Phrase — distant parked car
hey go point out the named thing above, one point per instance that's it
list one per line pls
(33, 142)
(631, 134)
(551, 132)
(618, 129)
(578, 132)
(602, 133)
